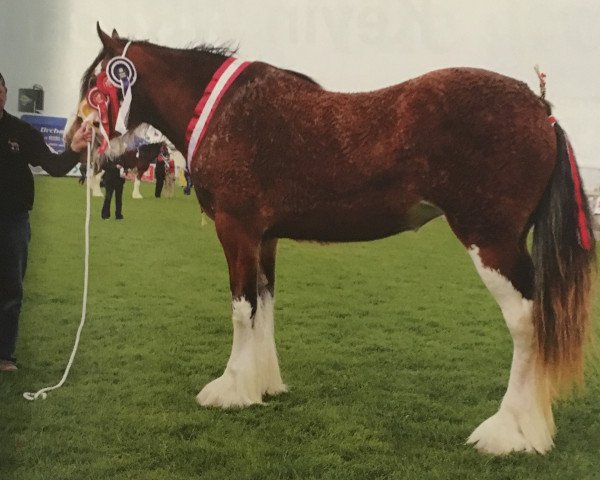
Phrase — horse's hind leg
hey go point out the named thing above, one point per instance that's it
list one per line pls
(241, 383)
(264, 324)
(524, 420)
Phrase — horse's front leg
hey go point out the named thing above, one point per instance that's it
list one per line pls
(264, 323)
(94, 185)
(241, 382)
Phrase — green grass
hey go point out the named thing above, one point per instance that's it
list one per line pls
(393, 350)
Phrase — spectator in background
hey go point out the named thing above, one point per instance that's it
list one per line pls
(170, 178)
(114, 179)
(188, 182)
(160, 170)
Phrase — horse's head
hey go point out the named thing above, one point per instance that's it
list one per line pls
(107, 89)
(130, 83)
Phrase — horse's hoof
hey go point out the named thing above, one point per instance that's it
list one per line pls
(501, 434)
(225, 392)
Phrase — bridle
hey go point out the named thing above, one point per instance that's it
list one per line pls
(111, 96)
(111, 99)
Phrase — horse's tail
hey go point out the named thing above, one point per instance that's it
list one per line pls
(564, 257)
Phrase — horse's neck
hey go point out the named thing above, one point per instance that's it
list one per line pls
(183, 79)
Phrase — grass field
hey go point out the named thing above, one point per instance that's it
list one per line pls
(393, 350)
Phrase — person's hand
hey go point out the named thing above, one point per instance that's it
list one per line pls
(82, 137)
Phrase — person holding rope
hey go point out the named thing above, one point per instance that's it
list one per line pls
(20, 146)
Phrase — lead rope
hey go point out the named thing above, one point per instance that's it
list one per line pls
(42, 393)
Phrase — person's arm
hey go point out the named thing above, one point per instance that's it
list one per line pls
(38, 153)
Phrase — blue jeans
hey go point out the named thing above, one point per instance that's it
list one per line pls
(15, 233)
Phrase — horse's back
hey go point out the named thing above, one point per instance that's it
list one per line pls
(491, 147)
(356, 164)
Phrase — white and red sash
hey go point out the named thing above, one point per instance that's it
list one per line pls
(207, 105)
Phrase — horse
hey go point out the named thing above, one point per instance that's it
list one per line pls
(274, 155)
(138, 158)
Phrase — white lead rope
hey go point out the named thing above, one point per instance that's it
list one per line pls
(42, 393)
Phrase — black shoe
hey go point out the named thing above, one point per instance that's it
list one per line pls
(119, 217)
(105, 217)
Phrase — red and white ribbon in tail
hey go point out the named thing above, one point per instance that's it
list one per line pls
(206, 106)
(584, 233)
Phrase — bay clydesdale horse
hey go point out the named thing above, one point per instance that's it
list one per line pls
(273, 155)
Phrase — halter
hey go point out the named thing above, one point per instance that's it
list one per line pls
(113, 106)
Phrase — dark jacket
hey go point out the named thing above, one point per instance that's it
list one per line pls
(20, 146)
(112, 175)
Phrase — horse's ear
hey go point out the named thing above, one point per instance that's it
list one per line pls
(115, 33)
(110, 43)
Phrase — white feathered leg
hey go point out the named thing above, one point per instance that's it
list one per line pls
(136, 189)
(268, 364)
(253, 367)
(240, 384)
(524, 420)
(95, 184)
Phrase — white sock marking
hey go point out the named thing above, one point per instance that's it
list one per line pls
(268, 364)
(520, 424)
(252, 368)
